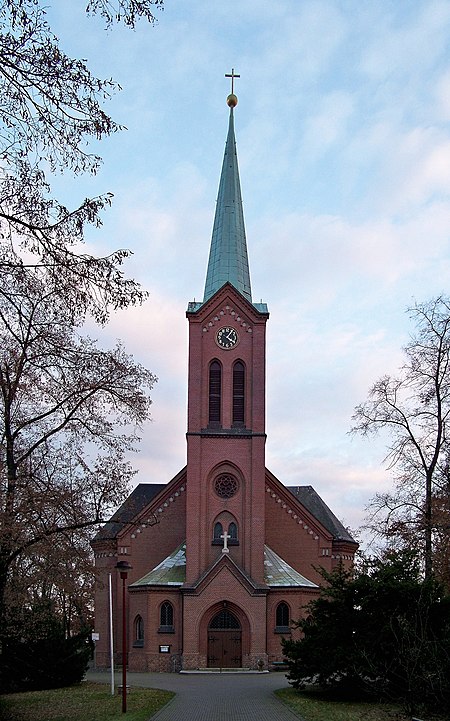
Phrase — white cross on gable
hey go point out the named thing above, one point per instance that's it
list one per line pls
(225, 537)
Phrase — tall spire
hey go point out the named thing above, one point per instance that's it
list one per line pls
(228, 260)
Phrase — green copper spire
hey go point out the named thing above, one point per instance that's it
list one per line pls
(228, 260)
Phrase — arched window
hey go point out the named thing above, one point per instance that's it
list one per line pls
(166, 618)
(282, 618)
(238, 394)
(225, 620)
(215, 392)
(218, 532)
(138, 632)
(232, 539)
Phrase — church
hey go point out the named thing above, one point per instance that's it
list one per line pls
(223, 557)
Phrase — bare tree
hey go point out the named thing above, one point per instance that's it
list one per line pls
(128, 11)
(415, 406)
(69, 414)
(51, 107)
(57, 573)
(69, 411)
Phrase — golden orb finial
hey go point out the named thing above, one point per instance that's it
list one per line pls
(232, 100)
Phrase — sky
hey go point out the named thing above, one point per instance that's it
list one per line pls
(343, 138)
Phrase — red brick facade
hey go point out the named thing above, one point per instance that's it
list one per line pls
(235, 585)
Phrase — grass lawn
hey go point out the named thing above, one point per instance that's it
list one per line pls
(86, 702)
(313, 706)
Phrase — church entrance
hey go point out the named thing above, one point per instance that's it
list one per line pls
(224, 641)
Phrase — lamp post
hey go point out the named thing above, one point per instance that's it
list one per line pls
(124, 567)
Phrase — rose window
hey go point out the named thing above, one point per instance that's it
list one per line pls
(226, 486)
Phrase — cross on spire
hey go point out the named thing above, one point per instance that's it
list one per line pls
(232, 75)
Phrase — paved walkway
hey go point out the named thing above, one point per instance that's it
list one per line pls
(214, 697)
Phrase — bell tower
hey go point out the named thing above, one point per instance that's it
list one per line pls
(226, 396)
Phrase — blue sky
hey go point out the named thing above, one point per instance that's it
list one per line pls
(343, 142)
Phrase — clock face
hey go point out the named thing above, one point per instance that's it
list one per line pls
(227, 338)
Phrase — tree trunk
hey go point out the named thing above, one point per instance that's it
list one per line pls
(428, 528)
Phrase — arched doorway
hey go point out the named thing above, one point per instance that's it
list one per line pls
(224, 641)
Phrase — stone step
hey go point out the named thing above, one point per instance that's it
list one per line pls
(222, 670)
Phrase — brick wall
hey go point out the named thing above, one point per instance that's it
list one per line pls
(210, 454)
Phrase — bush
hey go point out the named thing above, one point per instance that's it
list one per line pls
(383, 631)
(43, 657)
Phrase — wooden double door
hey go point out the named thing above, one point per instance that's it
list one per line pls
(224, 641)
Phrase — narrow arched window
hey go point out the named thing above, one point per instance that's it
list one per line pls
(238, 394)
(166, 618)
(217, 534)
(138, 631)
(215, 392)
(232, 531)
(282, 618)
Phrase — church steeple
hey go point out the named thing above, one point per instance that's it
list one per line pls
(228, 259)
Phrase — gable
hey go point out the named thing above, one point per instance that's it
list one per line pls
(172, 572)
(138, 499)
(304, 505)
(144, 500)
(309, 498)
(227, 295)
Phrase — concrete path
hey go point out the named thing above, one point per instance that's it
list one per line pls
(213, 697)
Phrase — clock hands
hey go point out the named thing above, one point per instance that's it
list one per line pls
(227, 337)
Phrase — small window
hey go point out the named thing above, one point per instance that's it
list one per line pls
(217, 534)
(238, 394)
(215, 392)
(232, 534)
(282, 619)
(138, 632)
(166, 618)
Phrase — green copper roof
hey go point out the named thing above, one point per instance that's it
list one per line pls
(172, 571)
(228, 260)
(279, 573)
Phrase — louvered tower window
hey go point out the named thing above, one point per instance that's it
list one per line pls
(238, 394)
(215, 392)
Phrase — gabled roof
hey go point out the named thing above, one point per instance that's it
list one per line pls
(139, 498)
(144, 493)
(319, 509)
(172, 571)
(228, 259)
